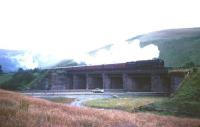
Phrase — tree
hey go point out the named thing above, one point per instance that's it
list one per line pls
(1, 71)
(20, 70)
(189, 64)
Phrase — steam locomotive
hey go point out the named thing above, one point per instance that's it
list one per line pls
(144, 64)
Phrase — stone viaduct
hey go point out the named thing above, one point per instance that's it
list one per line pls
(139, 76)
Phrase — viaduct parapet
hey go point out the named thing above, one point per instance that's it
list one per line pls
(139, 76)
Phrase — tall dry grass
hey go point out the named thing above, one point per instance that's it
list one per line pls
(17, 110)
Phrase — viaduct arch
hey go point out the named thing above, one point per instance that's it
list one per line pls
(139, 76)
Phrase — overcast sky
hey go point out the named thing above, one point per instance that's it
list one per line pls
(70, 28)
(77, 26)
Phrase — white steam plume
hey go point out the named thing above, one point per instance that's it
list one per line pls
(123, 52)
(117, 53)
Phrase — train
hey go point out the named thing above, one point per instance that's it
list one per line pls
(143, 64)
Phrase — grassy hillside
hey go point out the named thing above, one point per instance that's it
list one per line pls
(185, 102)
(190, 89)
(21, 80)
(5, 77)
(177, 46)
(17, 110)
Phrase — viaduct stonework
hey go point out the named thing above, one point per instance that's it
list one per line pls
(140, 76)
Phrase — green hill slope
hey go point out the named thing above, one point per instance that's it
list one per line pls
(185, 102)
(177, 46)
(5, 77)
(21, 80)
(190, 89)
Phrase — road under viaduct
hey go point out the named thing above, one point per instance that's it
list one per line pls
(139, 76)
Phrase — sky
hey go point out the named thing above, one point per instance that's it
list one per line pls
(69, 28)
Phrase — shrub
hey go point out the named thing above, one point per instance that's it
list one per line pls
(189, 65)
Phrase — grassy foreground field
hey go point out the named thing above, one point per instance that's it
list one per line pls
(17, 110)
(126, 104)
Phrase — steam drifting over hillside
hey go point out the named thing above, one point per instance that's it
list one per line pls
(122, 52)
(112, 53)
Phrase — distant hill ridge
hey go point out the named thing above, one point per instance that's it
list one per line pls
(7, 60)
